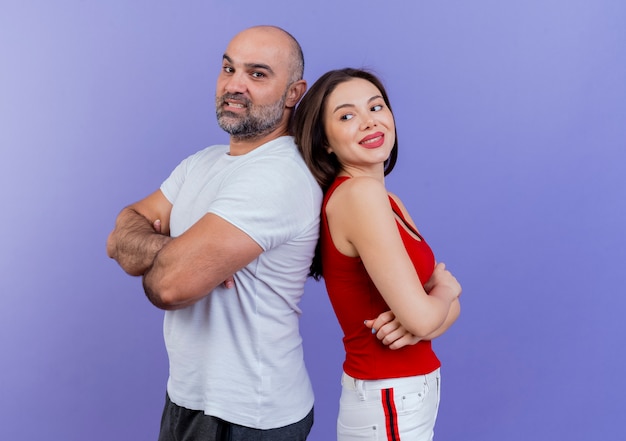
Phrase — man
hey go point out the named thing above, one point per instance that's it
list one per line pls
(250, 209)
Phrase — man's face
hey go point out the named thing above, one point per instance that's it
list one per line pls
(256, 120)
(252, 85)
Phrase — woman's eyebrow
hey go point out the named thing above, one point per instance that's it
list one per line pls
(342, 106)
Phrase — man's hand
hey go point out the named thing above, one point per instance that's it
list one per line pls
(390, 331)
(137, 238)
(157, 226)
(134, 242)
(229, 282)
(193, 263)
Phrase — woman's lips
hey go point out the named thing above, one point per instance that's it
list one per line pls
(373, 141)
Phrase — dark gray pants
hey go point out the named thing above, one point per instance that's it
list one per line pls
(180, 424)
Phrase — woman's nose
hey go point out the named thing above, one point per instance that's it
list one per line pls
(368, 123)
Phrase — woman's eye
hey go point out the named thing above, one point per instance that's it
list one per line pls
(347, 117)
(377, 107)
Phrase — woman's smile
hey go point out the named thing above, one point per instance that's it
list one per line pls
(373, 141)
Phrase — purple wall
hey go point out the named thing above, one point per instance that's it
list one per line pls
(512, 128)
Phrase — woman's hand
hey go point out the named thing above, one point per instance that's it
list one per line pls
(444, 281)
(390, 331)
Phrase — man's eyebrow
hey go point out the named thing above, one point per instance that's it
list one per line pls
(251, 66)
(343, 106)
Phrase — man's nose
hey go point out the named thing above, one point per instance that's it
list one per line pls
(235, 83)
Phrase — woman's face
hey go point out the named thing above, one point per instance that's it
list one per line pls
(359, 126)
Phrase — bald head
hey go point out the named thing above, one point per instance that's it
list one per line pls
(282, 41)
(259, 85)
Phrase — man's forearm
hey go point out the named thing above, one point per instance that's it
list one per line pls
(134, 242)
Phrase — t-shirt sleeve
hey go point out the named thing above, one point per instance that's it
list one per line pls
(174, 182)
(270, 201)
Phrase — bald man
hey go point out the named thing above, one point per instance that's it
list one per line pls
(249, 209)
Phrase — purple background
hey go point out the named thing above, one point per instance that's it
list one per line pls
(512, 129)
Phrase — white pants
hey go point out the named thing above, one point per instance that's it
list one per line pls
(397, 409)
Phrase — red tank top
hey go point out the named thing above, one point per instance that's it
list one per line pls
(355, 298)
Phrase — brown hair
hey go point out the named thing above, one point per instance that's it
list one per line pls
(310, 136)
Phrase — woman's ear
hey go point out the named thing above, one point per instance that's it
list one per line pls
(295, 92)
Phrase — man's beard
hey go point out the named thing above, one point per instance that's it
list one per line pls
(258, 121)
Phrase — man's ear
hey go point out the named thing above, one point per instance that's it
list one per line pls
(295, 92)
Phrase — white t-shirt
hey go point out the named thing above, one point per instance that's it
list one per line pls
(237, 353)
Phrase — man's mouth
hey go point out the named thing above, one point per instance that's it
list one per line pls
(235, 105)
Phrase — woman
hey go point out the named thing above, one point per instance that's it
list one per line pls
(373, 259)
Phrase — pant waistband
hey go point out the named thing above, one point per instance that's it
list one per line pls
(354, 384)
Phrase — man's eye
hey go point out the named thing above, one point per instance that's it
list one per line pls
(227, 69)
(258, 74)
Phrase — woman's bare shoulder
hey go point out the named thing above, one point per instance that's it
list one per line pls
(361, 189)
